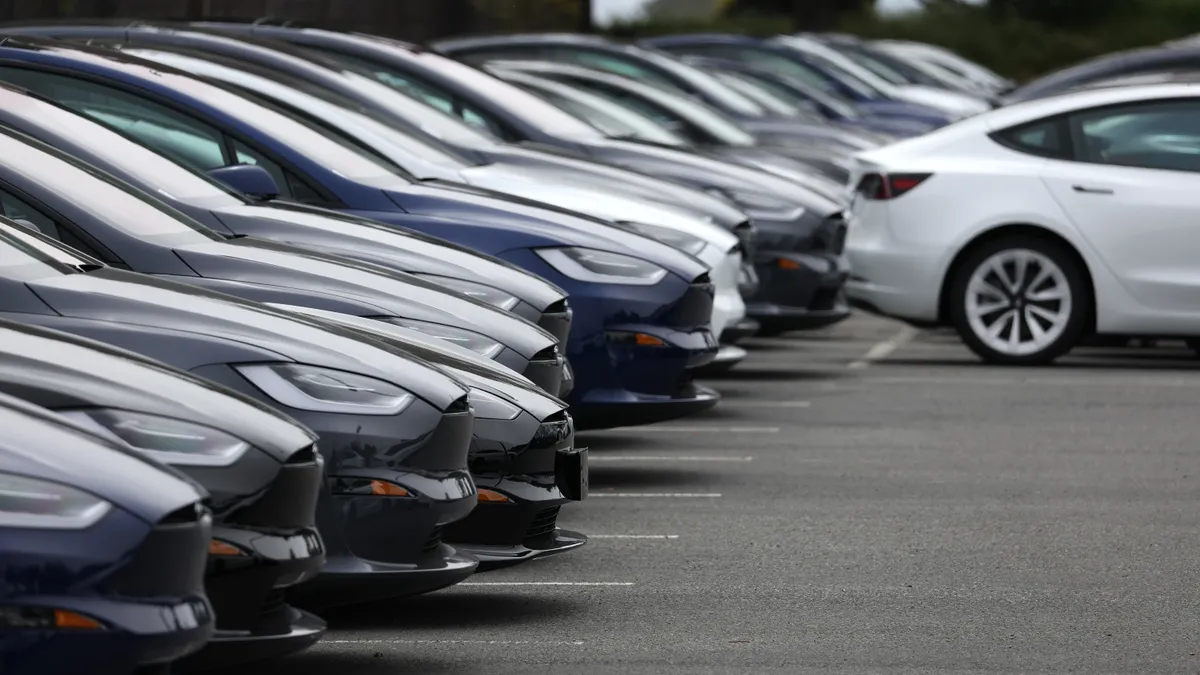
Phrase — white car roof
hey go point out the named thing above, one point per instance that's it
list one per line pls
(1088, 98)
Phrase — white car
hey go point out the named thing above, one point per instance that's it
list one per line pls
(952, 102)
(947, 60)
(1032, 225)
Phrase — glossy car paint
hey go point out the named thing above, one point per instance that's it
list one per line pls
(264, 500)
(617, 381)
(1128, 62)
(783, 59)
(720, 248)
(521, 452)
(376, 546)
(138, 569)
(651, 66)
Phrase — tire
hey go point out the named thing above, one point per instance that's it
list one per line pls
(1053, 315)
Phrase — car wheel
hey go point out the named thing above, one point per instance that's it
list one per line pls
(1020, 301)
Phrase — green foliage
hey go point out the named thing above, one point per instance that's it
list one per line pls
(1017, 38)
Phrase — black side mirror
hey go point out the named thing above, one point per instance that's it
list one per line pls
(250, 179)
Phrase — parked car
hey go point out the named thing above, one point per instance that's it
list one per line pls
(1118, 64)
(394, 431)
(899, 70)
(780, 59)
(659, 69)
(260, 469)
(718, 248)
(1025, 228)
(710, 132)
(671, 300)
(102, 551)
(523, 456)
(984, 78)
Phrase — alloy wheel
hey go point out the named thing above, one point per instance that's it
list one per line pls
(1018, 302)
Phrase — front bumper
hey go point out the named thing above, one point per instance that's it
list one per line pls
(800, 291)
(537, 475)
(347, 580)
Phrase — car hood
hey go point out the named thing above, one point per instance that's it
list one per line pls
(38, 444)
(564, 191)
(62, 371)
(706, 172)
(270, 263)
(769, 129)
(780, 164)
(543, 224)
(612, 178)
(891, 109)
(949, 101)
(464, 365)
(402, 250)
(250, 332)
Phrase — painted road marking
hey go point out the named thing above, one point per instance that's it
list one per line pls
(884, 349)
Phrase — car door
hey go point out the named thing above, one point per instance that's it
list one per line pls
(1131, 185)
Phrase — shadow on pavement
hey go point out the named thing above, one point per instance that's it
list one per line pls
(317, 661)
(460, 610)
(606, 475)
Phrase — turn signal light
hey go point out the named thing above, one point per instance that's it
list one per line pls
(218, 547)
(639, 339)
(385, 489)
(67, 619)
(493, 497)
(785, 264)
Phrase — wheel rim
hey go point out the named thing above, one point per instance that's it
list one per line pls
(1018, 302)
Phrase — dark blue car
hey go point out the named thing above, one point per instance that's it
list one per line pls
(642, 308)
(784, 60)
(102, 552)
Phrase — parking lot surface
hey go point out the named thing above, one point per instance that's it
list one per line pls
(868, 499)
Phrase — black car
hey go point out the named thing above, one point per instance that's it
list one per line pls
(523, 455)
(260, 469)
(1145, 60)
(394, 431)
(96, 213)
(102, 552)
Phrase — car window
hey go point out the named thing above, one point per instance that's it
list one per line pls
(612, 63)
(21, 259)
(614, 120)
(1160, 135)
(1045, 138)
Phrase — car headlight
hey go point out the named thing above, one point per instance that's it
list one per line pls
(168, 440)
(477, 343)
(492, 296)
(681, 240)
(326, 390)
(29, 502)
(759, 205)
(586, 264)
(488, 406)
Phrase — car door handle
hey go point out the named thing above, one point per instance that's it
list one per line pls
(1091, 190)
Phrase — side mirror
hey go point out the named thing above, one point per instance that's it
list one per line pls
(249, 179)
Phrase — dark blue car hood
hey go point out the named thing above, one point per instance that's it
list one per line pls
(40, 445)
(533, 224)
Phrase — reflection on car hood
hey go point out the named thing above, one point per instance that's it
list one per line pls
(40, 445)
(394, 293)
(404, 250)
(262, 333)
(63, 371)
(465, 365)
(611, 205)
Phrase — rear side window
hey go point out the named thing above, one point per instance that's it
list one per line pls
(1044, 138)
(1149, 135)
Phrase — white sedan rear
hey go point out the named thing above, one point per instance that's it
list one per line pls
(1030, 226)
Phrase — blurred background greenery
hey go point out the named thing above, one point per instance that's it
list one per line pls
(1017, 38)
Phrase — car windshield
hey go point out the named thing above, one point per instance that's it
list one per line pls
(399, 147)
(532, 109)
(614, 120)
(109, 200)
(801, 93)
(21, 260)
(171, 180)
(758, 94)
(314, 143)
(708, 86)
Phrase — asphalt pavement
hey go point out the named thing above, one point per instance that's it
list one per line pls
(867, 499)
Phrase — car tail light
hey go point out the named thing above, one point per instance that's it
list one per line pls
(882, 186)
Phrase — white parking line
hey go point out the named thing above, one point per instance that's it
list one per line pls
(655, 495)
(766, 404)
(883, 349)
(664, 458)
(667, 429)
(633, 536)
(546, 583)
(451, 642)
